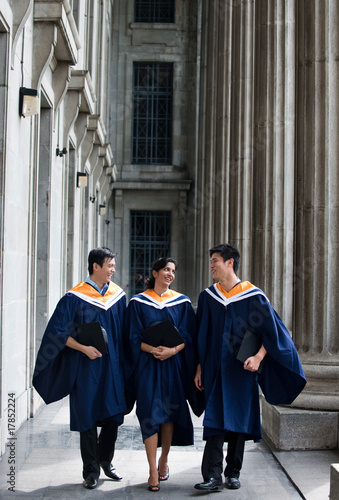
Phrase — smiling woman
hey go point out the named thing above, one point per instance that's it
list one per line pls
(161, 377)
(163, 274)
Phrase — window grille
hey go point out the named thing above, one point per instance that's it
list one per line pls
(150, 235)
(154, 11)
(152, 113)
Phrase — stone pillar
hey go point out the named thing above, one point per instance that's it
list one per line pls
(316, 324)
(240, 125)
(268, 171)
(205, 188)
(274, 152)
(225, 131)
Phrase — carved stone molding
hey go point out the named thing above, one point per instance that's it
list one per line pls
(80, 128)
(60, 14)
(98, 172)
(71, 112)
(54, 36)
(95, 123)
(112, 172)
(105, 184)
(87, 148)
(61, 79)
(81, 81)
(106, 152)
(45, 39)
(21, 10)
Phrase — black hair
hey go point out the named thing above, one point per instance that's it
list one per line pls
(227, 252)
(98, 256)
(157, 266)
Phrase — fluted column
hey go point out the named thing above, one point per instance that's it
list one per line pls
(240, 172)
(211, 152)
(317, 245)
(268, 166)
(274, 152)
(225, 130)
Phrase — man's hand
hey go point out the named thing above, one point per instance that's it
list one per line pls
(197, 379)
(252, 364)
(91, 352)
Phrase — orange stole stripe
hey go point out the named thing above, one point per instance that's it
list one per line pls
(89, 291)
(243, 286)
(170, 294)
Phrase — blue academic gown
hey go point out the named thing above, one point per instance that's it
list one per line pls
(162, 387)
(96, 387)
(232, 393)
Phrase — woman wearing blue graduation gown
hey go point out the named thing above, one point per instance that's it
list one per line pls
(161, 377)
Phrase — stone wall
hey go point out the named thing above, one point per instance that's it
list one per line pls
(48, 224)
(154, 187)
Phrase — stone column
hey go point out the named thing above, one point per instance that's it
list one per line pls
(316, 324)
(205, 185)
(274, 152)
(225, 131)
(240, 124)
(268, 175)
(296, 206)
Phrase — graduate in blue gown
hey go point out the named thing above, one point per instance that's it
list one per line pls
(93, 380)
(226, 311)
(161, 377)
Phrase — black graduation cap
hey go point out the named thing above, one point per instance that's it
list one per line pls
(162, 333)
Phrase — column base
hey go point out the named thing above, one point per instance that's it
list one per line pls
(334, 488)
(322, 389)
(287, 428)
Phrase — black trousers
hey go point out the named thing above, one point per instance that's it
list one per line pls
(98, 450)
(212, 462)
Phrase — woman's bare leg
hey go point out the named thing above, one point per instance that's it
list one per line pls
(151, 453)
(166, 441)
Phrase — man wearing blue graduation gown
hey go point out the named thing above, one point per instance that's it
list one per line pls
(93, 380)
(226, 311)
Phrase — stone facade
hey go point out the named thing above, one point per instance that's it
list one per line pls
(48, 224)
(255, 163)
(154, 187)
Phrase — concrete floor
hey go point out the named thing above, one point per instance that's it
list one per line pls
(48, 465)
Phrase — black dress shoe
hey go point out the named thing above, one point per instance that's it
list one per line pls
(90, 483)
(210, 485)
(111, 472)
(232, 483)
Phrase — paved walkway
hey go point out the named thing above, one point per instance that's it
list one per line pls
(48, 465)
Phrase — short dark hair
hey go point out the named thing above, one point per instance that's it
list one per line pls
(227, 252)
(157, 266)
(98, 256)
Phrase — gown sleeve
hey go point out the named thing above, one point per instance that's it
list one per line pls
(56, 364)
(188, 330)
(282, 377)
